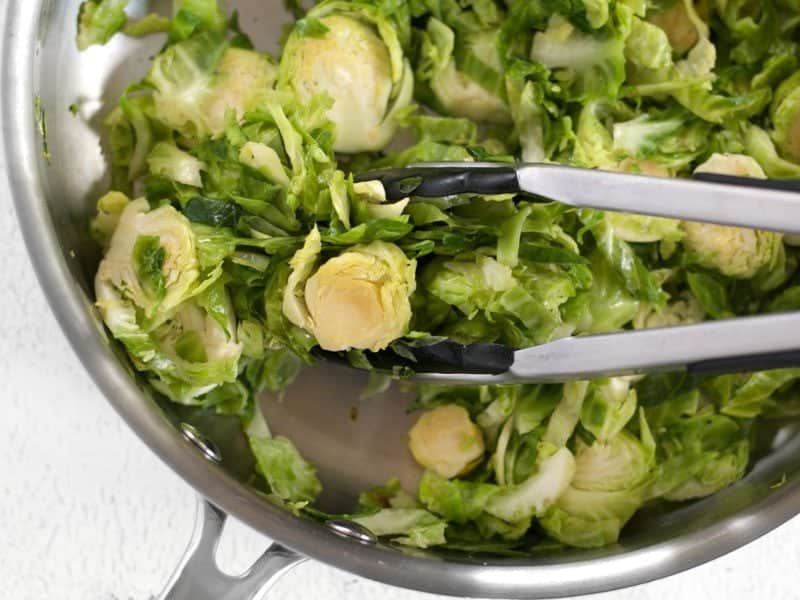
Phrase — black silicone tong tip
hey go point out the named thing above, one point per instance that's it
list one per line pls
(441, 357)
(440, 181)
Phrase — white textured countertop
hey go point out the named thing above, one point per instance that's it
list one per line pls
(89, 513)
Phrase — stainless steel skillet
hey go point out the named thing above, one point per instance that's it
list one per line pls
(37, 58)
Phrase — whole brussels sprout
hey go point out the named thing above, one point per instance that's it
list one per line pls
(733, 251)
(357, 60)
(446, 441)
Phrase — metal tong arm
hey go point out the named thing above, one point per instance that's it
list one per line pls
(733, 345)
(740, 201)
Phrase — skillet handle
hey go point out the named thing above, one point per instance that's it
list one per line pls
(198, 577)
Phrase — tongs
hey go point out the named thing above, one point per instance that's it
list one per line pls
(730, 345)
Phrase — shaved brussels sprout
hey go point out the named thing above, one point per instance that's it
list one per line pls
(414, 526)
(109, 210)
(610, 483)
(593, 63)
(683, 311)
(701, 455)
(455, 91)
(608, 407)
(171, 162)
(357, 60)
(256, 244)
(446, 441)
(733, 251)
(536, 494)
(99, 20)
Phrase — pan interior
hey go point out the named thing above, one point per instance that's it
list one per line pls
(354, 443)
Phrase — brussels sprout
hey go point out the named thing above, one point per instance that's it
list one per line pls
(290, 477)
(199, 80)
(567, 414)
(643, 228)
(357, 60)
(302, 264)
(199, 342)
(175, 325)
(786, 117)
(109, 210)
(446, 441)
(699, 456)
(359, 299)
(456, 500)
(760, 146)
(536, 494)
(415, 526)
(683, 311)
(151, 263)
(594, 63)
(610, 483)
(606, 306)
(266, 161)
(679, 23)
(455, 91)
(608, 407)
(99, 20)
(733, 251)
(167, 160)
(648, 46)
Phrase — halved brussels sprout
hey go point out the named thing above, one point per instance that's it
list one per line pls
(678, 22)
(151, 262)
(175, 325)
(358, 299)
(198, 80)
(357, 60)
(786, 117)
(446, 441)
(733, 251)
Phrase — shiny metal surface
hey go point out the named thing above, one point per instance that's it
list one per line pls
(634, 352)
(351, 530)
(201, 442)
(199, 578)
(663, 197)
(37, 57)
